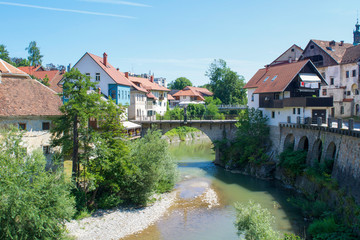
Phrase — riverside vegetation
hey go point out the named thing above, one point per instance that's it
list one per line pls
(108, 170)
(251, 148)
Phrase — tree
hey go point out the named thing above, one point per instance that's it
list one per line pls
(4, 54)
(180, 83)
(226, 84)
(34, 203)
(73, 124)
(20, 62)
(34, 54)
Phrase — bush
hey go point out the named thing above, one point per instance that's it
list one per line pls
(294, 161)
(34, 203)
(255, 222)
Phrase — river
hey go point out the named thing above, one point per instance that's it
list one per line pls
(191, 219)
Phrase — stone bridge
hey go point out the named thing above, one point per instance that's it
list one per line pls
(215, 129)
(325, 143)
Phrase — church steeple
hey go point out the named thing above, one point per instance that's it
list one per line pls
(357, 33)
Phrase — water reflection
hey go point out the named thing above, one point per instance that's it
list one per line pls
(191, 219)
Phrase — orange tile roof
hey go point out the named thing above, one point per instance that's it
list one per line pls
(285, 74)
(30, 69)
(190, 93)
(169, 97)
(6, 67)
(147, 84)
(150, 95)
(54, 76)
(116, 75)
(203, 91)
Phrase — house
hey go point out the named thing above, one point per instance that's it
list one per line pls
(339, 63)
(110, 80)
(148, 98)
(40, 72)
(292, 54)
(191, 95)
(161, 81)
(28, 105)
(289, 92)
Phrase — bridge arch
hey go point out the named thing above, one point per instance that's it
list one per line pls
(330, 151)
(289, 141)
(317, 150)
(303, 144)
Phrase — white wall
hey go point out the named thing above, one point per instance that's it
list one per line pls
(255, 103)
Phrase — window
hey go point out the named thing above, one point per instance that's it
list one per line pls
(87, 74)
(356, 92)
(324, 92)
(276, 96)
(294, 110)
(292, 50)
(348, 93)
(46, 150)
(252, 97)
(298, 111)
(274, 78)
(45, 126)
(347, 74)
(312, 47)
(113, 94)
(184, 97)
(318, 60)
(342, 110)
(354, 73)
(331, 80)
(97, 77)
(22, 126)
(272, 114)
(266, 79)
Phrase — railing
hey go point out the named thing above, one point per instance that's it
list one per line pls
(231, 106)
(297, 102)
(197, 117)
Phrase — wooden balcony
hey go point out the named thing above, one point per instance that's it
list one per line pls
(297, 102)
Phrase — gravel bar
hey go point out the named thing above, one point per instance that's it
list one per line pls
(118, 223)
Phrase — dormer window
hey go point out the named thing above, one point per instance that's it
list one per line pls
(274, 78)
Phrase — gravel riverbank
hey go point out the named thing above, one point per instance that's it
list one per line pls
(118, 223)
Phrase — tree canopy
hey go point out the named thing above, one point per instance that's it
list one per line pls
(4, 54)
(180, 83)
(226, 84)
(35, 58)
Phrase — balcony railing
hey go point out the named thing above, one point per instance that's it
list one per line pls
(297, 102)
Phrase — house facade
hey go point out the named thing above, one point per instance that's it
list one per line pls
(191, 95)
(110, 80)
(339, 64)
(289, 92)
(28, 105)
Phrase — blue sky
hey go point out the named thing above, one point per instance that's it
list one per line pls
(172, 38)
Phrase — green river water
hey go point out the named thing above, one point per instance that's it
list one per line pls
(190, 220)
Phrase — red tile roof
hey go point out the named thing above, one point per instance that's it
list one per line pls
(116, 75)
(54, 76)
(191, 93)
(150, 95)
(5, 67)
(22, 96)
(202, 91)
(284, 73)
(31, 69)
(169, 97)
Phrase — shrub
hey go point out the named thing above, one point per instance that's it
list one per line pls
(294, 161)
(34, 203)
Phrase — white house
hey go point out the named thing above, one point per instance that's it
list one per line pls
(289, 92)
(191, 95)
(28, 105)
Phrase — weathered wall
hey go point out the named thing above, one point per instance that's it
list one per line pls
(346, 167)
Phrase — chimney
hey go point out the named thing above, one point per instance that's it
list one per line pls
(117, 69)
(152, 78)
(127, 74)
(332, 43)
(105, 59)
(341, 43)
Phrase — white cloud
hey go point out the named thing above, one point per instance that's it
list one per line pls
(66, 10)
(117, 2)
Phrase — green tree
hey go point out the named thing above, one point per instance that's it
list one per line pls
(34, 203)
(4, 54)
(35, 58)
(71, 130)
(180, 83)
(226, 84)
(20, 62)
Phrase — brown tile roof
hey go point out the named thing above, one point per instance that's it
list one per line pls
(23, 96)
(203, 91)
(8, 68)
(190, 92)
(336, 51)
(147, 84)
(31, 69)
(54, 76)
(352, 55)
(116, 75)
(285, 74)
